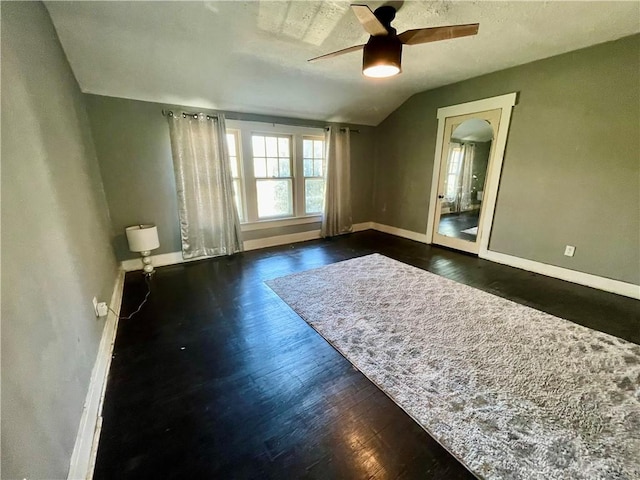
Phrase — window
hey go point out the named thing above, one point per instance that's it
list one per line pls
(313, 171)
(234, 160)
(278, 174)
(453, 172)
(272, 171)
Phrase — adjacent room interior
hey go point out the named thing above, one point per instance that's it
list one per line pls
(320, 240)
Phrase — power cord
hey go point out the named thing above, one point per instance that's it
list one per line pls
(146, 297)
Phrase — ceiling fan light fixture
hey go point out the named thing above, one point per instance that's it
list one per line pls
(382, 57)
(381, 71)
(383, 52)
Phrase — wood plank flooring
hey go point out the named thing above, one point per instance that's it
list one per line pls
(454, 224)
(217, 378)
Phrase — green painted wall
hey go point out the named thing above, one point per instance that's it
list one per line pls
(55, 248)
(134, 152)
(572, 163)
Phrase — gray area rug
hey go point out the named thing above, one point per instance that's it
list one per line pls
(511, 391)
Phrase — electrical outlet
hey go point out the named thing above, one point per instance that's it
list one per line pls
(569, 250)
(95, 306)
(102, 309)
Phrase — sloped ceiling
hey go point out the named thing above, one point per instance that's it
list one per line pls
(252, 56)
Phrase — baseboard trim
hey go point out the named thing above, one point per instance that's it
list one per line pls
(400, 232)
(86, 446)
(160, 260)
(594, 281)
(361, 227)
(174, 258)
(581, 278)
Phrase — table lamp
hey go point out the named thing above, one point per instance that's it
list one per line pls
(143, 239)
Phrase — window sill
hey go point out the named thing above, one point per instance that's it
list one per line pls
(280, 222)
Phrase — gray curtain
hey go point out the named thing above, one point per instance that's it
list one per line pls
(466, 177)
(336, 217)
(209, 224)
(458, 193)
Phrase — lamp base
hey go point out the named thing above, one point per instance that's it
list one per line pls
(147, 267)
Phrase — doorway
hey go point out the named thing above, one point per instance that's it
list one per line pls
(467, 166)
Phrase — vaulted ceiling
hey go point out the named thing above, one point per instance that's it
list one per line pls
(252, 56)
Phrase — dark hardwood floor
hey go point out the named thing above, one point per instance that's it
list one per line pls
(454, 224)
(217, 378)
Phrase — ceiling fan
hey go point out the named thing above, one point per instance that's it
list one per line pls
(383, 52)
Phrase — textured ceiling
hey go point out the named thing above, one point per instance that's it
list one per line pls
(251, 56)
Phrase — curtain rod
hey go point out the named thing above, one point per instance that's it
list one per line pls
(169, 113)
(344, 129)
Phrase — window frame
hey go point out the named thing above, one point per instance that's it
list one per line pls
(313, 158)
(243, 201)
(246, 131)
(454, 160)
(290, 178)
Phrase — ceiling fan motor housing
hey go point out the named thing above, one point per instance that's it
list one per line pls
(382, 50)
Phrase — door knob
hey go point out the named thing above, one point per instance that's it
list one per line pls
(440, 197)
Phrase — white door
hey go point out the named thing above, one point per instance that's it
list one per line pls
(465, 165)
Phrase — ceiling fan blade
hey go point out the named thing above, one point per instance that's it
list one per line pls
(369, 21)
(426, 35)
(335, 54)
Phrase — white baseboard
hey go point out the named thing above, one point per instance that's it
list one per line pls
(84, 451)
(399, 232)
(601, 283)
(360, 227)
(594, 281)
(159, 260)
(174, 258)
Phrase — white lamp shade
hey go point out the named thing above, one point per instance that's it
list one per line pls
(142, 237)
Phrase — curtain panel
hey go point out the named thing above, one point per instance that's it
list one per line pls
(460, 167)
(466, 180)
(209, 224)
(336, 217)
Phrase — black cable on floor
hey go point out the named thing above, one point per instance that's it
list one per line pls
(146, 297)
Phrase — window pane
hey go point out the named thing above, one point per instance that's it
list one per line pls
(237, 198)
(317, 168)
(285, 167)
(258, 146)
(272, 167)
(274, 198)
(313, 195)
(451, 187)
(308, 168)
(231, 144)
(307, 148)
(283, 147)
(317, 149)
(272, 146)
(233, 161)
(259, 167)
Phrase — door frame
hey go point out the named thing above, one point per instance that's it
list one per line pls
(503, 102)
(450, 123)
